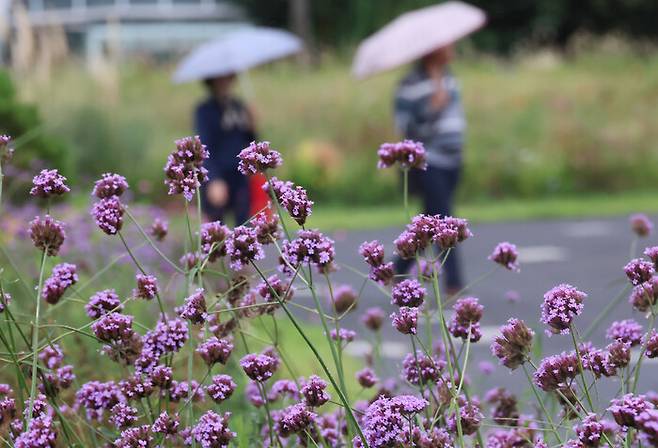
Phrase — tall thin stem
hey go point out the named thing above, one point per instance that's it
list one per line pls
(35, 338)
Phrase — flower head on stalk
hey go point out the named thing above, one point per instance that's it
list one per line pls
(49, 183)
(408, 293)
(283, 388)
(373, 318)
(122, 415)
(591, 430)
(212, 430)
(652, 344)
(470, 417)
(407, 153)
(267, 227)
(295, 419)
(343, 335)
(372, 253)
(561, 305)
(6, 149)
(277, 186)
(652, 254)
(619, 355)
(386, 422)
(114, 328)
(108, 214)
(184, 169)
(555, 371)
(382, 274)
(641, 224)
(626, 409)
(242, 247)
(314, 392)
(465, 322)
(257, 158)
(108, 185)
(103, 302)
(166, 424)
(423, 230)
(344, 299)
(405, 320)
(221, 388)
(295, 200)
(506, 254)
(645, 295)
(310, 247)
(47, 234)
(40, 433)
(366, 378)
(63, 276)
(213, 239)
(419, 368)
(159, 229)
(627, 331)
(215, 350)
(259, 367)
(274, 290)
(147, 287)
(639, 271)
(5, 300)
(514, 343)
(194, 308)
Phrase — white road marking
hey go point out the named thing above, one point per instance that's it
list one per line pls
(587, 229)
(541, 254)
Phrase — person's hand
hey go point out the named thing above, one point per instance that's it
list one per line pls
(217, 193)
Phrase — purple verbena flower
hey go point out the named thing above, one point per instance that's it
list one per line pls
(267, 227)
(639, 271)
(47, 234)
(194, 308)
(626, 409)
(405, 320)
(295, 419)
(382, 274)
(103, 302)
(366, 378)
(282, 388)
(214, 350)
(652, 254)
(123, 415)
(108, 185)
(166, 424)
(645, 295)
(420, 368)
(243, 248)
(296, 202)
(63, 276)
(652, 344)
(108, 214)
(514, 343)
(408, 293)
(97, 397)
(159, 229)
(310, 247)
(561, 305)
(555, 371)
(343, 334)
(40, 433)
(386, 422)
(506, 254)
(49, 183)
(257, 158)
(135, 438)
(259, 367)
(627, 330)
(147, 287)
(113, 328)
(641, 224)
(344, 299)
(221, 388)
(407, 153)
(314, 391)
(373, 318)
(465, 322)
(591, 429)
(372, 253)
(162, 376)
(184, 169)
(212, 430)
(213, 239)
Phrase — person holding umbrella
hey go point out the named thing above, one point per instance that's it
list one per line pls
(224, 123)
(427, 102)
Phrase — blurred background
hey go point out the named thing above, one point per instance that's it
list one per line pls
(560, 99)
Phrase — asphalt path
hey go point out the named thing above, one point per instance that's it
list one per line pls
(589, 254)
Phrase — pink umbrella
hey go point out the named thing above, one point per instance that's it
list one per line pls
(415, 34)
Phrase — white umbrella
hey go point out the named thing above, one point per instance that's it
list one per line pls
(415, 34)
(236, 52)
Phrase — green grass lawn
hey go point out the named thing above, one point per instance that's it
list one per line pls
(365, 217)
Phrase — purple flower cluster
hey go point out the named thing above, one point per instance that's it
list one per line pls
(628, 408)
(108, 185)
(213, 238)
(135, 437)
(63, 276)
(40, 433)
(408, 293)
(47, 234)
(373, 254)
(97, 397)
(166, 424)
(194, 308)
(108, 214)
(342, 335)
(212, 430)
(644, 296)
(259, 367)
(6, 148)
(423, 230)
(310, 247)
(627, 331)
(591, 430)
(103, 302)
(652, 254)
(257, 158)
(184, 169)
(5, 300)
(147, 287)
(243, 248)
(221, 388)
(296, 202)
(283, 388)
(641, 224)
(465, 322)
(344, 299)
(215, 350)
(267, 227)
(386, 422)
(407, 153)
(506, 254)
(405, 320)
(419, 368)
(652, 344)
(314, 391)
(49, 183)
(561, 305)
(114, 328)
(159, 229)
(514, 343)
(639, 271)
(373, 318)
(366, 378)
(555, 372)
(295, 419)
(123, 415)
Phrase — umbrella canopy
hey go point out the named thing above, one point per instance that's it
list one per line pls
(415, 34)
(236, 52)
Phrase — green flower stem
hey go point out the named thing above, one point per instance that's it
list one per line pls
(572, 330)
(308, 342)
(542, 405)
(152, 244)
(35, 338)
(636, 377)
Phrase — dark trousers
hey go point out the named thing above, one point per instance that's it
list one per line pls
(239, 202)
(436, 188)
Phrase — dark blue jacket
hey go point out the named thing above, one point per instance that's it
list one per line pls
(225, 127)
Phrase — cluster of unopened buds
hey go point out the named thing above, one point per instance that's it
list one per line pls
(182, 380)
